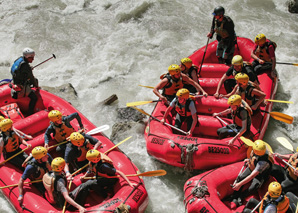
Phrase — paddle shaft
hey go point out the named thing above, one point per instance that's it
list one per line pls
(239, 174)
(145, 174)
(14, 155)
(204, 55)
(286, 162)
(227, 125)
(106, 152)
(180, 130)
(44, 61)
(256, 207)
(285, 63)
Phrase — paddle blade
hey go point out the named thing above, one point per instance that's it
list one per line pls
(141, 111)
(247, 141)
(280, 101)
(284, 142)
(137, 103)
(282, 117)
(151, 173)
(98, 129)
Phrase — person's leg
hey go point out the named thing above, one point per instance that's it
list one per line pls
(226, 131)
(219, 52)
(33, 100)
(278, 172)
(289, 185)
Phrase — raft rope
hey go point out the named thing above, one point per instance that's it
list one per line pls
(187, 159)
(122, 208)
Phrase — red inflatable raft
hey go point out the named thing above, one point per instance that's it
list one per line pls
(204, 150)
(35, 125)
(206, 192)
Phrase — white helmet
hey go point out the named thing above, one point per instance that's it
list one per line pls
(28, 52)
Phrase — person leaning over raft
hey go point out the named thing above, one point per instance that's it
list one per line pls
(264, 55)
(10, 143)
(57, 193)
(102, 166)
(36, 166)
(223, 26)
(172, 82)
(186, 111)
(191, 71)
(259, 166)
(238, 66)
(249, 92)
(75, 152)
(22, 77)
(241, 114)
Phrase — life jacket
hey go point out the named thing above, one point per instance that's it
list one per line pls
(183, 110)
(254, 159)
(219, 27)
(104, 159)
(17, 76)
(62, 131)
(294, 162)
(11, 141)
(237, 116)
(41, 168)
(173, 85)
(82, 151)
(190, 70)
(282, 203)
(12, 111)
(243, 69)
(246, 94)
(263, 52)
(50, 184)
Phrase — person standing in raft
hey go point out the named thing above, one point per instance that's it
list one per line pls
(223, 26)
(102, 166)
(75, 153)
(288, 177)
(57, 193)
(10, 143)
(36, 166)
(274, 201)
(264, 55)
(259, 167)
(23, 78)
(241, 114)
(186, 111)
(248, 91)
(238, 66)
(191, 71)
(172, 82)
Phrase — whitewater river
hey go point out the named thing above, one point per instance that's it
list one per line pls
(109, 47)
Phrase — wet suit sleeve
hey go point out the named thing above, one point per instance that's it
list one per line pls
(192, 108)
(72, 116)
(47, 134)
(230, 71)
(108, 169)
(26, 67)
(92, 140)
(69, 155)
(61, 186)
(28, 171)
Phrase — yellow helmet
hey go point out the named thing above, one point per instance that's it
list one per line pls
(55, 115)
(58, 164)
(260, 39)
(235, 100)
(237, 60)
(259, 147)
(39, 152)
(77, 139)
(1, 118)
(183, 93)
(6, 125)
(242, 78)
(274, 189)
(93, 155)
(174, 69)
(186, 62)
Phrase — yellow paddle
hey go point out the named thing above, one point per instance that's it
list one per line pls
(280, 101)
(13, 185)
(280, 116)
(285, 63)
(247, 141)
(146, 86)
(106, 152)
(3, 162)
(144, 174)
(283, 141)
(137, 103)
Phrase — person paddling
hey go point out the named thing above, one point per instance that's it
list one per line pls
(238, 66)
(264, 55)
(35, 167)
(102, 166)
(186, 111)
(223, 26)
(75, 153)
(172, 82)
(57, 193)
(10, 143)
(23, 78)
(241, 114)
(249, 92)
(191, 71)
